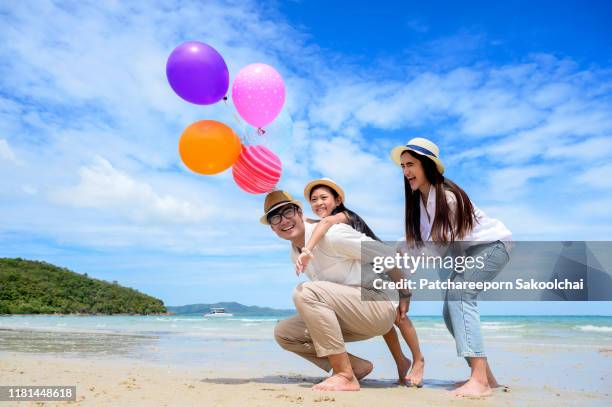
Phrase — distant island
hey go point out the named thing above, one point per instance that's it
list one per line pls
(36, 287)
(235, 308)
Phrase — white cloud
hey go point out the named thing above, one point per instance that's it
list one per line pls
(472, 102)
(529, 223)
(511, 183)
(550, 95)
(6, 153)
(417, 25)
(341, 158)
(102, 186)
(596, 177)
(28, 189)
(597, 210)
(582, 151)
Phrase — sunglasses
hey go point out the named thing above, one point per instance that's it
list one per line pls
(287, 213)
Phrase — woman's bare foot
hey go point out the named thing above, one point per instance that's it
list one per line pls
(490, 378)
(472, 388)
(402, 370)
(361, 367)
(338, 382)
(415, 378)
(492, 381)
(495, 384)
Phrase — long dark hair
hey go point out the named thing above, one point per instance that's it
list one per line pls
(444, 229)
(355, 220)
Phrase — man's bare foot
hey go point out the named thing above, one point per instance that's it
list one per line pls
(338, 382)
(361, 367)
(402, 370)
(472, 388)
(415, 378)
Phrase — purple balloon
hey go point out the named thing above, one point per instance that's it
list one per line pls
(197, 73)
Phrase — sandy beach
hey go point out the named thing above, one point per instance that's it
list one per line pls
(129, 383)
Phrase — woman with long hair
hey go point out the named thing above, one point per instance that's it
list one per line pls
(438, 210)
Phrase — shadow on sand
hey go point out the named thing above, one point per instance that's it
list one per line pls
(309, 381)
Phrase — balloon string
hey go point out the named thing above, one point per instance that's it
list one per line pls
(244, 135)
(261, 131)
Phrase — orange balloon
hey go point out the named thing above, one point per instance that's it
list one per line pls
(209, 147)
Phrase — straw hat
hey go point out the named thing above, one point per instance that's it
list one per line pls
(323, 181)
(420, 146)
(275, 200)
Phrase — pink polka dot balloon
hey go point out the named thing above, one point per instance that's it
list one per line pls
(257, 169)
(258, 93)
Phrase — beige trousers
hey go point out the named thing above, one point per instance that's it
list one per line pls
(329, 315)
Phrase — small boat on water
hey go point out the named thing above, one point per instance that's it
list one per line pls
(218, 312)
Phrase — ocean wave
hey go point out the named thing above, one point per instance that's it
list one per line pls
(200, 320)
(491, 326)
(593, 328)
(271, 319)
(494, 327)
(181, 319)
(441, 328)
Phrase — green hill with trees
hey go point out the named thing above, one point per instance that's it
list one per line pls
(35, 287)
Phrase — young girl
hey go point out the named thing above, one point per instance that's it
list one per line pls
(440, 211)
(327, 201)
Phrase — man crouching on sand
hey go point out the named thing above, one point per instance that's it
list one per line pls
(330, 306)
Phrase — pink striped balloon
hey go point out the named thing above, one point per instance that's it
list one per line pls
(257, 169)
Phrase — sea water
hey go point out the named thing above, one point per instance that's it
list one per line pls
(574, 351)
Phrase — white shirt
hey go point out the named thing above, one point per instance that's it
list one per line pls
(485, 229)
(339, 254)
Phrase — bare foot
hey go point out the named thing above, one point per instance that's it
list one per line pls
(495, 386)
(402, 370)
(361, 367)
(491, 379)
(492, 382)
(337, 382)
(472, 388)
(415, 378)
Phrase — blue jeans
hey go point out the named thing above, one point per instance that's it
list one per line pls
(460, 311)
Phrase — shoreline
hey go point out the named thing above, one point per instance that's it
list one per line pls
(154, 360)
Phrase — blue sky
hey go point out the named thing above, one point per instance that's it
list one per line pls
(518, 96)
